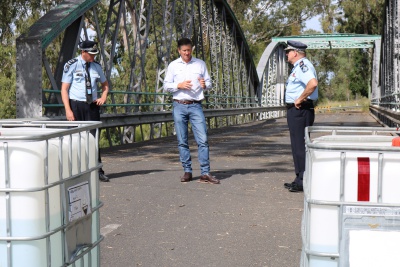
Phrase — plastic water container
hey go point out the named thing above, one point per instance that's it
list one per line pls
(39, 162)
(351, 197)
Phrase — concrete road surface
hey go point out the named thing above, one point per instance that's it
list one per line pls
(151, 219)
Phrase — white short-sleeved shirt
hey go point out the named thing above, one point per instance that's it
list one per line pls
(75, 74)
(303, 71)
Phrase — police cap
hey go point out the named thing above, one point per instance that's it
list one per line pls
(89, 46)
(295, 45)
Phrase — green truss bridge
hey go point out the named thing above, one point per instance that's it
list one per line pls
(145, 32)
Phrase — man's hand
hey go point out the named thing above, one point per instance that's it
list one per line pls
(70, 115)
(310, 88)
(100, 101)
(297, 103)
(65, 99)
(202, 82)
(186, 85)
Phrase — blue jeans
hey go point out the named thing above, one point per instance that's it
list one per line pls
(193, 113)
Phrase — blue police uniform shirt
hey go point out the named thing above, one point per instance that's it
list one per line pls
(75, 75)
(303, 71)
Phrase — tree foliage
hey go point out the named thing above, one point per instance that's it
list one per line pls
(359, 17)
(362, 16)
(7, 82)
(16, 16)
(261, 20)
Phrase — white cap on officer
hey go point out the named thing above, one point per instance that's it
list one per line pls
(89, 46)
(295, 45)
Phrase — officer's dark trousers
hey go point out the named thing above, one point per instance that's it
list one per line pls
(298, 120)
(85, 112)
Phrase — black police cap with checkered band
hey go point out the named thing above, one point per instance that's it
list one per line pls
(295, 45)
(89, 46)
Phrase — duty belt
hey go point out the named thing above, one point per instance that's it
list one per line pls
(306, 104)
(187, 102)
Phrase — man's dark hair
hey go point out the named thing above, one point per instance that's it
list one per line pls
(184, 41)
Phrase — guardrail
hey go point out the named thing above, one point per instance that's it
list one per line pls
(387, 117)
(118, 120)
(224, 117)
(238, 101)
(216, 118)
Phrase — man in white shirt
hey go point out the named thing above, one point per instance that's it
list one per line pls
(187, 77)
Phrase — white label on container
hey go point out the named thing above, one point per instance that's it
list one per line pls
(79, 201)
(373, 211)
(373, 248)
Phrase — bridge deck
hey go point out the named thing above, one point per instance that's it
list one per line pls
(151, 219)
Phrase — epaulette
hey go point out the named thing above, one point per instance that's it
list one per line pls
(69, 63)
(303, 66)
(97, 62)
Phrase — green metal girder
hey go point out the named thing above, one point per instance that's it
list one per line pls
(48, 27)
(332, 41)
(240, 38)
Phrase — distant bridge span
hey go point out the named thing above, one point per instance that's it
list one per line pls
(272, 68)
(137, 41)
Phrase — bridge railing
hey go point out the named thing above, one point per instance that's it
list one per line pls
(385, 99)
(224, 101)
(138, 126)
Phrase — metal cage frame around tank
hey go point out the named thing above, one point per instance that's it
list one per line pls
(343, 149)
(64, 130)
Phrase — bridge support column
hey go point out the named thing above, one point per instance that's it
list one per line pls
(375, 90)
(29, 78)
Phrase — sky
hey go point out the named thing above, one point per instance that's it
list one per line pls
(314, 24)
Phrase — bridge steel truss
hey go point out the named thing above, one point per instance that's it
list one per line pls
(273, 69)
(385, 101)
(137, 40)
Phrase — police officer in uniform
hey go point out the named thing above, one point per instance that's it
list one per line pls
(300, 95)
(79, 88)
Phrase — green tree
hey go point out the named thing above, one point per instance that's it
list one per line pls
(329, 15)
(16, 16)
(361, 17)
(261, 20)
(7, 82)
(345, 74)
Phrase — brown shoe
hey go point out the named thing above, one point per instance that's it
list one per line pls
(187, 177)
(208, 179)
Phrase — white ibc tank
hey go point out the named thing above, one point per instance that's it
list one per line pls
(32, 193)
(345, 172)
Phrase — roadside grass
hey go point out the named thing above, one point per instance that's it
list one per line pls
(358, 104)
